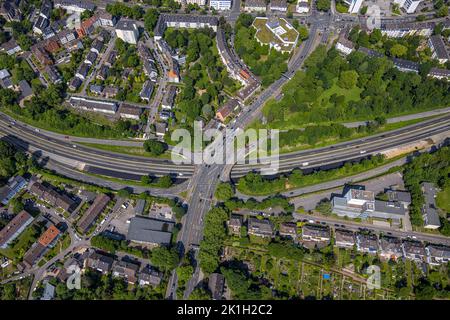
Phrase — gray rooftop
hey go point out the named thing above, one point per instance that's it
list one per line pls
(150, 230)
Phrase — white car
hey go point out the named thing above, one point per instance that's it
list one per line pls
(362, 151)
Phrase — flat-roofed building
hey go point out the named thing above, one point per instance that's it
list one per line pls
(288, 230)
(429, 210)
(255, 6)
(128, 31)
(93, 105)
(437, 254)
(184, 21)
(128, 111)
(150, 231)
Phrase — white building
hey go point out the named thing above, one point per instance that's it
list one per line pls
(354, 5)
(220, 4)
(302, 6)
(127, 31)
(255, 5)
(408, 5)
(199, 2)
(278, 5)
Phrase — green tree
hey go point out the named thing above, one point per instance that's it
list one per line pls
(348, 79)
(164, 258)
(224, 191)
(154, 147)
(398, 50)
(323, 5)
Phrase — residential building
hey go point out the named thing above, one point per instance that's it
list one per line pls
(429, 210)
(402, 29)
(276, 32)
(288, 230)
(53, 74)
(359, 203)
(49, 237)
(10, 47)
(139, 208)
(409, 6)
(414, 250)
(128, 111)
(67, 36)
(150, 231)
(110, 91)
(83, 71)
(255, 5)
(344, 238)
(40, 25)
(367, 243)
(41, 55)
(90, 58)
(278, 5)
(227, 109)
(149, 276)
(402, 197)
(97, 46)
(354, 5)
(74, 5)
(146, 91)
(437, 46)
(169, 97)
(51, 45)
(25, 91)
(128, 31)
(391, 248)
(75, 83)
(106, 19)
(216, 284)
(184, 21)
(439, 73)
(344, 45)
(99, 262)
(6, 83)
(437, 254)
(103, 73)
(14, 228)
(9, 9)
(126, 270)
(235, 224)
(150, 70)
(96, 89)
(52, 197)
(14, 186)
(315, 233)
(46, 9)
(302, 6)
(111, 58)
(220, 4)
(93, 105)
(87, 27)
(160, 129)
(45, 241)
(260, 228)
(93, 212)
(49, 292)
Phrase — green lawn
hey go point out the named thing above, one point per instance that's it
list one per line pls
(443, 199)
(352, 94)
(21, 244)
(135, 151)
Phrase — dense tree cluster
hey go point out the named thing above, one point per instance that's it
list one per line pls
(122, 10)
(266, 63)
(213, 237)
(427, 167)
(252, 204)
(111, 246)
(95, 286)
(11, 161)
(205, 77)
(253, 183)
(315, 96)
